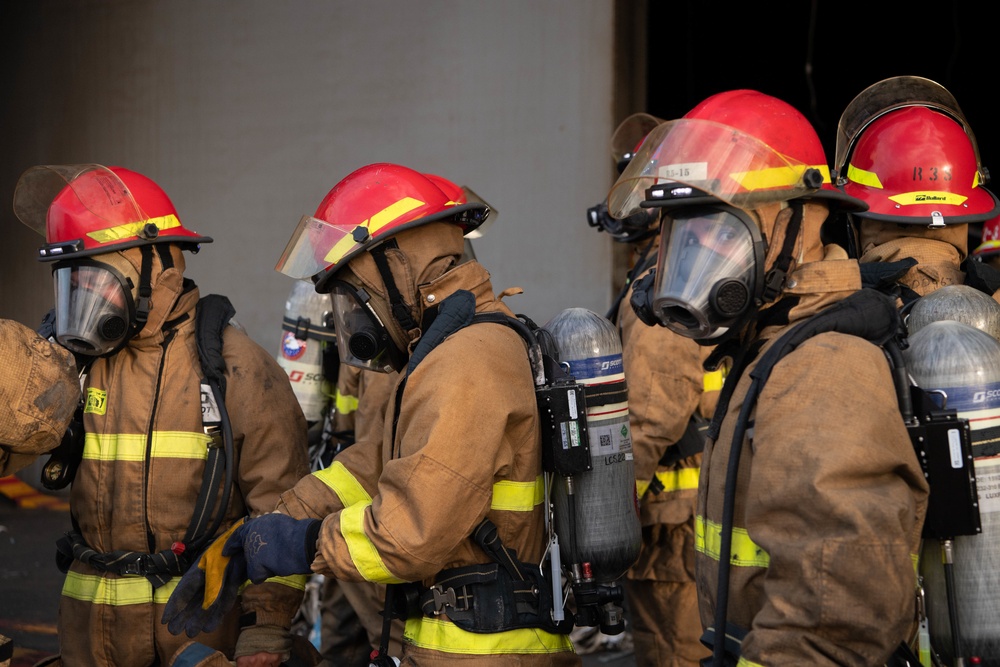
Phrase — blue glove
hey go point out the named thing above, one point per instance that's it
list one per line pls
(208, 590)
(274, 545)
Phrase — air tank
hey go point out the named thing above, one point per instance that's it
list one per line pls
(956, 302)
(301, 352)
(963, 362)
(598, 523)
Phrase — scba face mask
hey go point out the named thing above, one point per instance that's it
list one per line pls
(708, 273)
(95, 312)
(362, 338)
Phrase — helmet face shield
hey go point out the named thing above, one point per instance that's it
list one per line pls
(315, 244)
(712, 159)
(94, 308)
(362, 339)
(708, 272)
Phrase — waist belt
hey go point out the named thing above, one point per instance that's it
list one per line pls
(157, 568)
(486, 599)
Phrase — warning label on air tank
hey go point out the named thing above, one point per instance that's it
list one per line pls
(610, 441)
(988, 485)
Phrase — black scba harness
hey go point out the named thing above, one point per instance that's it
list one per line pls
(506, 594)
(213, 313)
(952, 508)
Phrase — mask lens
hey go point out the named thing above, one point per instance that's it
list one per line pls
(361, 339)
(706, 272)
(93, 309)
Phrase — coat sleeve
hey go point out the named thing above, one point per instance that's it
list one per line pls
(270, 432)
(451, 445)
(837, 499)
(665, 380)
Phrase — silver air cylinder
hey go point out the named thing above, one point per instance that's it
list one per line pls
(597, 511)
(964, 363)
(302, 357)
(956, 302)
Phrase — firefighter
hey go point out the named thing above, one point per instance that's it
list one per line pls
(811, 499)
(177, 445)
(449, 490)
(41, 390)
(671, 399)
(905, 148)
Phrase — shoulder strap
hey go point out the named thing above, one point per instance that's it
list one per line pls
(212, 316)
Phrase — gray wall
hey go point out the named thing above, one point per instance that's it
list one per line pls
(248, 111)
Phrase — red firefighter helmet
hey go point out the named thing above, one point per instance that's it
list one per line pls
(990, 244)
(741, 146)
(90, 209)
(369, 206)
(917, 165)
(463, 194)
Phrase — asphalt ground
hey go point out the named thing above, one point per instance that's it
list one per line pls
(30, 524)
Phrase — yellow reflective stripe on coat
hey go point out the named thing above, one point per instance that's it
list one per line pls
(445, 636)
(745, 553)
(713, 381)
(364, 555)
(518, 496)
(132, 446)
(124, 591)
(747, 663)
(118, 592)
(684, 479)
(344, 484)
(344, 404)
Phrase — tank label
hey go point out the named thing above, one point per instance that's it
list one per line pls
(292, 348)
(980, 404)
(988, 484)
(596, 367)
(610, 441)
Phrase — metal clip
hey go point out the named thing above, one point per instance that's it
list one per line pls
(442, 598)
(214, 432)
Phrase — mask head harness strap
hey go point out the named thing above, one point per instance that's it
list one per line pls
(774, 282)
(400, 310)
(145, 291)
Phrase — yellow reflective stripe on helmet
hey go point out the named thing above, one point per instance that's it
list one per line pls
(928, 197)
(518, 496)
(364, 555)
(344, 404)
(132, 446)
(708, 540)
(123, 591)
(118, 592)
(374, 224)
(713, 380)
(344, 484)
(445, 636)
(791, 175)
(862, 177)
(132, 229)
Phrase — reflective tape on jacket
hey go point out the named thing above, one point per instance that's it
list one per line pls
(441, 635)
(744, 552)
(124, 591)
(132, 446)
(507, 496)
(713, 380)
(518, 496)
(345, 404)
(684, 479)
(344, 484)
(364, 555)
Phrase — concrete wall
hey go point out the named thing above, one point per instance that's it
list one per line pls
(248, 111)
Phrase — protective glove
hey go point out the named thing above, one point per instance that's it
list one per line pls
(208, 590)
(275, 545)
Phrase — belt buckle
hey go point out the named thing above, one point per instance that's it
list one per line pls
(442, 597)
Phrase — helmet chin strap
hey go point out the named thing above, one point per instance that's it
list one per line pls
(774, 281)
(400, 311)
